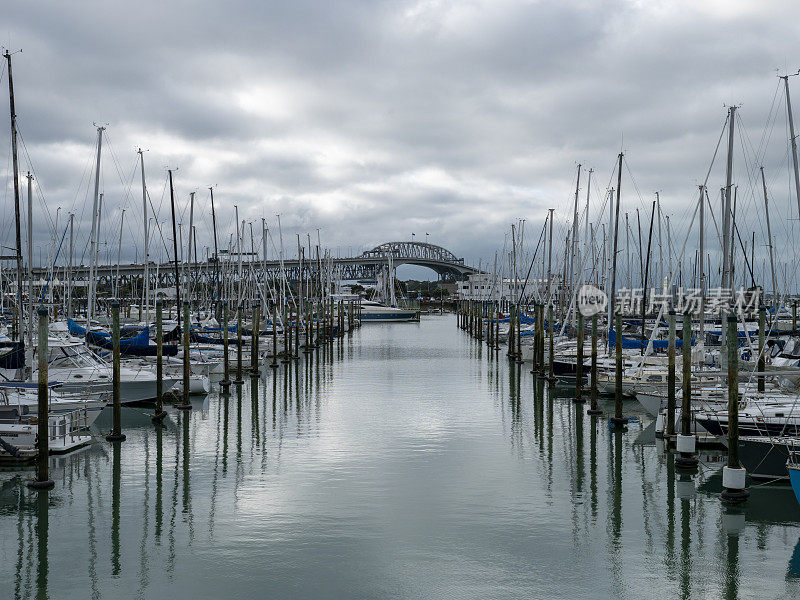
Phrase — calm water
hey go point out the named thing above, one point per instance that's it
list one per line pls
(411, 464)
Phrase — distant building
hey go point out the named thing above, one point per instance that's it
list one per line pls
(484, 286)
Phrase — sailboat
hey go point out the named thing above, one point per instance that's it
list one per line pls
(373, 311)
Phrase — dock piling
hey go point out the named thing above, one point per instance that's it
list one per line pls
(42, 481)
(618, 419)
(685, 441)
(226, 360)
(593, 408)
(116, 434)
(733, 475)
(239, 380)
(274, 364)
(669, 426)
(579, 361)
(159, 413)
(186, 405)
(254, 372)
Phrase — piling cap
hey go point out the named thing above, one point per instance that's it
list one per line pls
(671, 312)
(159, 303)
(115, 304)
(732, 319)
(185, 303)
(42, 312)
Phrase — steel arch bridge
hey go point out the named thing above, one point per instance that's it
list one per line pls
(364, 266)
(437, 258)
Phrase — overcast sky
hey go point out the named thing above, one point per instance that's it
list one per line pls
(371, 120)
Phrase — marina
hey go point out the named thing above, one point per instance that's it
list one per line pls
(406, 461)
(415, 299)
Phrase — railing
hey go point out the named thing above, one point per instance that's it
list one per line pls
(68, 425)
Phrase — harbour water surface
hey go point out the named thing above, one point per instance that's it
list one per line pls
(409, 462)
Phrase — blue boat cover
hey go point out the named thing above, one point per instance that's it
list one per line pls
(630, 344)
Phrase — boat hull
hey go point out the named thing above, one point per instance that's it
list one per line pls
(794, 479)
(765, 458)
(392, 316)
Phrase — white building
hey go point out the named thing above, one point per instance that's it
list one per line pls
(484, 286)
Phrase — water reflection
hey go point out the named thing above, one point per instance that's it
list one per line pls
(116, 478)
(793, 571)
(396, 462)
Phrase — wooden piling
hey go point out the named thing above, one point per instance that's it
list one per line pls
(186, 335)
(618, 419)
(497, 331)
(669, 426)
(579, 361)
(159, 413)
(510, 349)
(685, 441)
(254, 372)
(296, 354)
(287, 346)
(42, 481)
(733, 475)
(540, 359)
(239, 380)
(317, 339)
(274, 363)
(491, 323)
(226, 373)
(116, 434)
(309, 329)
(593, 408)
(289, 338)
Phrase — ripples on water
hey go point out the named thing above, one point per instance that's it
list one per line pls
(408, 463)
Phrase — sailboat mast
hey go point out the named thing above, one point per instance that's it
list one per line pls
(647, 272)
(239, 252)
(93, 236)
(264, 256)
(701, 336)
(30, 271)
(611, 300)
(97, 240)
(15, 166)
(216, 251)
(69, 267)
(586, 227)
(574, 232)
(769, 240)
(660, 249)
(175, 249)
(726, 208)
(119, 253)
(791, 137)
(189, 251)
(146, 244)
